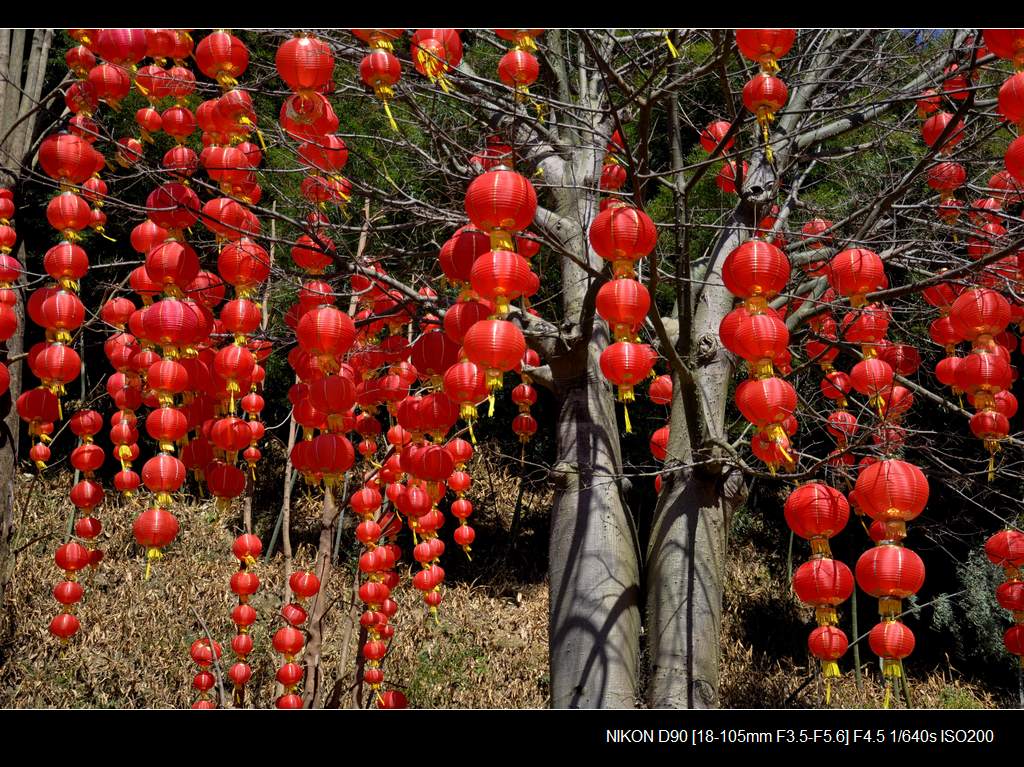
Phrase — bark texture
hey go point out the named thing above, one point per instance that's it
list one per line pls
(22, 65)
(594, 567)
(686, 553)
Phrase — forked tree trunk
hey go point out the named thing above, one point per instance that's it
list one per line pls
(687, 550)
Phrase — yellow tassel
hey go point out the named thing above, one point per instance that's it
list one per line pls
(259, 135)
(472, 436)
(490, 405)
(539, 108)
(671, 48)
(101, 233)
(763, 118)
(991, 466)
(625, 412)
(151, 555)
(888, 695)
(391, 119)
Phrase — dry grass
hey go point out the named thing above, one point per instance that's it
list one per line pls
(762, 666)
(488, 649)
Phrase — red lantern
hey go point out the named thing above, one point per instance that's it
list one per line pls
(68, 158)
(892, 491)
(891, 641)
(823, 583)
(495, 345)
(765, 46)
(154, 529)
(623, 304)
(757, 338)
(500, 276)
(979, 312)
(222, 57)
(828, 644)
(713, 134)
(935, 125)
(890, 572)
(518, 69)
(756, 269)
(622, 234)
(660, 390)
(857, 271)
(764, 95)
(1006, 548)
(626, 364)
(766, 401)
(501, 200)
(816, 510)
(173, 206)
(305, 63)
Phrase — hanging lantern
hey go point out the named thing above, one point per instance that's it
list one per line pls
(765, 46)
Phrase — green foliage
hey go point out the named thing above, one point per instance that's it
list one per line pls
(452, 663)
(974, 619)
(954, 696)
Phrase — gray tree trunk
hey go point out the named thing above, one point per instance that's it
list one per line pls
(594, 559)
(593, 556)
(687, 550)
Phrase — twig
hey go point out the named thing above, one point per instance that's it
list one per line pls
(213, 653)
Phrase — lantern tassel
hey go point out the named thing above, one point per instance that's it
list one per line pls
(490, 405)
(152, 554)
(391, 119)
(991, 465)
(625, 412)
(828, 692)
(671, 48)
(472, 436)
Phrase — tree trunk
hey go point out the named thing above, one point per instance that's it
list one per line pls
(24, 83)
(686, 553)
(685, 581)
(313, 689)
(593, 555)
